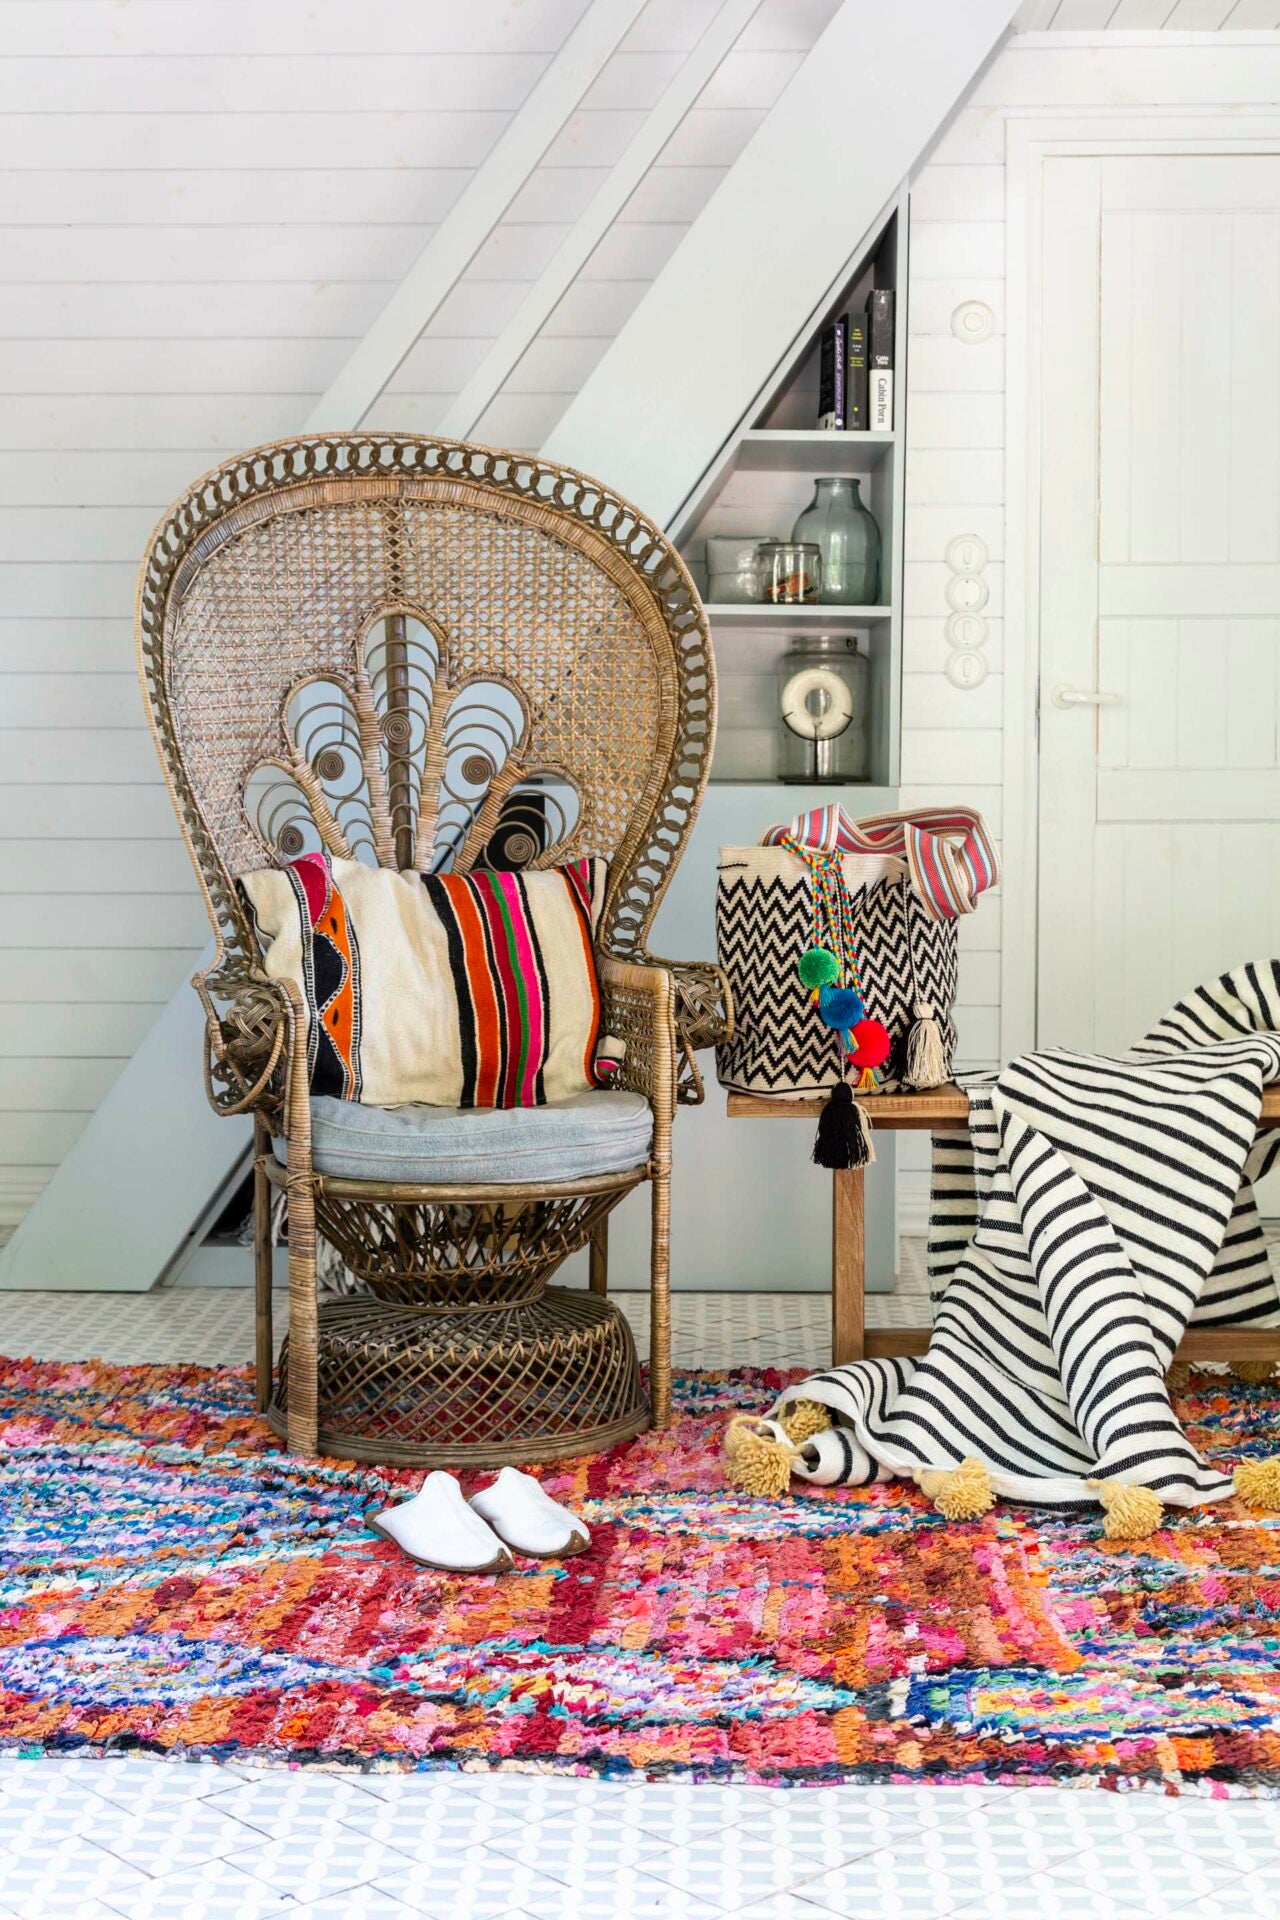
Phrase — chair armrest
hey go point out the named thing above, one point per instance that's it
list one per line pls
(704, 1002)
(701, 1013)
(704, 1018)
(638, 1007)
(249, 1028)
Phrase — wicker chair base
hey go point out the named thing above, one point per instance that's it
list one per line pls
(417, 1387)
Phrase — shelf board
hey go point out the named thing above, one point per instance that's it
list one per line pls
(770, 450)
(727, 613)
(774, 783)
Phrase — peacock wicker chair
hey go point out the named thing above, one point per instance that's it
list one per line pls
(429, 655)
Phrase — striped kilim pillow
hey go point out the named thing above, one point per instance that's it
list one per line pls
(460, 990)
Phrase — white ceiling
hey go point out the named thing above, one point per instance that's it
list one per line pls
(1179, 16)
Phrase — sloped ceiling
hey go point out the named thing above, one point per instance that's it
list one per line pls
(640, 242)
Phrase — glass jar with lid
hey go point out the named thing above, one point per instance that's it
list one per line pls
(791, 573)
(824, 687)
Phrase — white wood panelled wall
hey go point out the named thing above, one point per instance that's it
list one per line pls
(205, 206)
(953, 741)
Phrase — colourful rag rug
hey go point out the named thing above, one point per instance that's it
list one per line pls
(171, 1582)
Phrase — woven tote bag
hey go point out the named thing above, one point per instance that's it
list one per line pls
(764, 918)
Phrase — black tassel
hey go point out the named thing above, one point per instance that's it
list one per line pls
(843, 1138)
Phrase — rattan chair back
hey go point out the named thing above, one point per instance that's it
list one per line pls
(425, 654)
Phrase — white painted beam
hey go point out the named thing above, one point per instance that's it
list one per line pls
(757, 266)
(578, 245)
(475, 214)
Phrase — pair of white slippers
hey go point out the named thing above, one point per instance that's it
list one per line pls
(440, 1527)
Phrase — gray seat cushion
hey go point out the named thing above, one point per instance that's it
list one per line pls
(596, 1132)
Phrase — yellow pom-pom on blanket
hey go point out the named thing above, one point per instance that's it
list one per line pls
(760, 1451)
(1258, 1482)
(1130, 1513)
(959, 1493)
(1254, 1373)
(801, 1419)
(759, 1455)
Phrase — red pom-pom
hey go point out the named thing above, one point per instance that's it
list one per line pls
(871, 1044)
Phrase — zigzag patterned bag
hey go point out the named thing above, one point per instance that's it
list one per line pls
(764, 922)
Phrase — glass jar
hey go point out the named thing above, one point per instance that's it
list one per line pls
(733, 568)
(846, 535)
(791, 573)
(824, 687)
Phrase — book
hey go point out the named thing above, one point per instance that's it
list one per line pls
(880, 402)
(880, 322)
(880, 326)
(832, 365)
(856, 377)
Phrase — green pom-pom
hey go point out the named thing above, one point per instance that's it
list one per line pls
(818, 968)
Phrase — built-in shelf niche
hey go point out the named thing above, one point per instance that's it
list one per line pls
(760, 486)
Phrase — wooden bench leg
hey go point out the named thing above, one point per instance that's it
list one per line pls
(848, 1266)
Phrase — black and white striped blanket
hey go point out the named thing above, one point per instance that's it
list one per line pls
(1093, 1209)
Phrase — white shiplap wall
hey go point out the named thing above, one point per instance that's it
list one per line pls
(205, 203)
(955, 482)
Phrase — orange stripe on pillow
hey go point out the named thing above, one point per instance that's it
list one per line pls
(340, 1014)
(482, 986)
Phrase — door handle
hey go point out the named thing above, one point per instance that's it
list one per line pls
(1084, 697)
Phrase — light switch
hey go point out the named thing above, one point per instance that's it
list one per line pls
(966, 556)
(965, 668)
(966, 630)
(966, 553)
(965, 594)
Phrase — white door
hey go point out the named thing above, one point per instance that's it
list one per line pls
(1160, 584)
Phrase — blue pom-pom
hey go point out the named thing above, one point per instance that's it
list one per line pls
(841, 1007)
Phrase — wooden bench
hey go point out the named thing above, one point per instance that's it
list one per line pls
(941, 1108)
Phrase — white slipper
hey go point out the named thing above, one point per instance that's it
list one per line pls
(528, 1519)
(437, 1528)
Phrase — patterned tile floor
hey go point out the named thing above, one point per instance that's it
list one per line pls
(102, 1839)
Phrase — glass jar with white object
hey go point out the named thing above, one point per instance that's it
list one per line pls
(824, 687)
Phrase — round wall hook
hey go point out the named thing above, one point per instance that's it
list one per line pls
(973, 321)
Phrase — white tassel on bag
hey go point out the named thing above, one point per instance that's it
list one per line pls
(926, 1062)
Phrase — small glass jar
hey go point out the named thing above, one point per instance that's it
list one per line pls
(791, 574)
(824, 687)
(733, 568)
